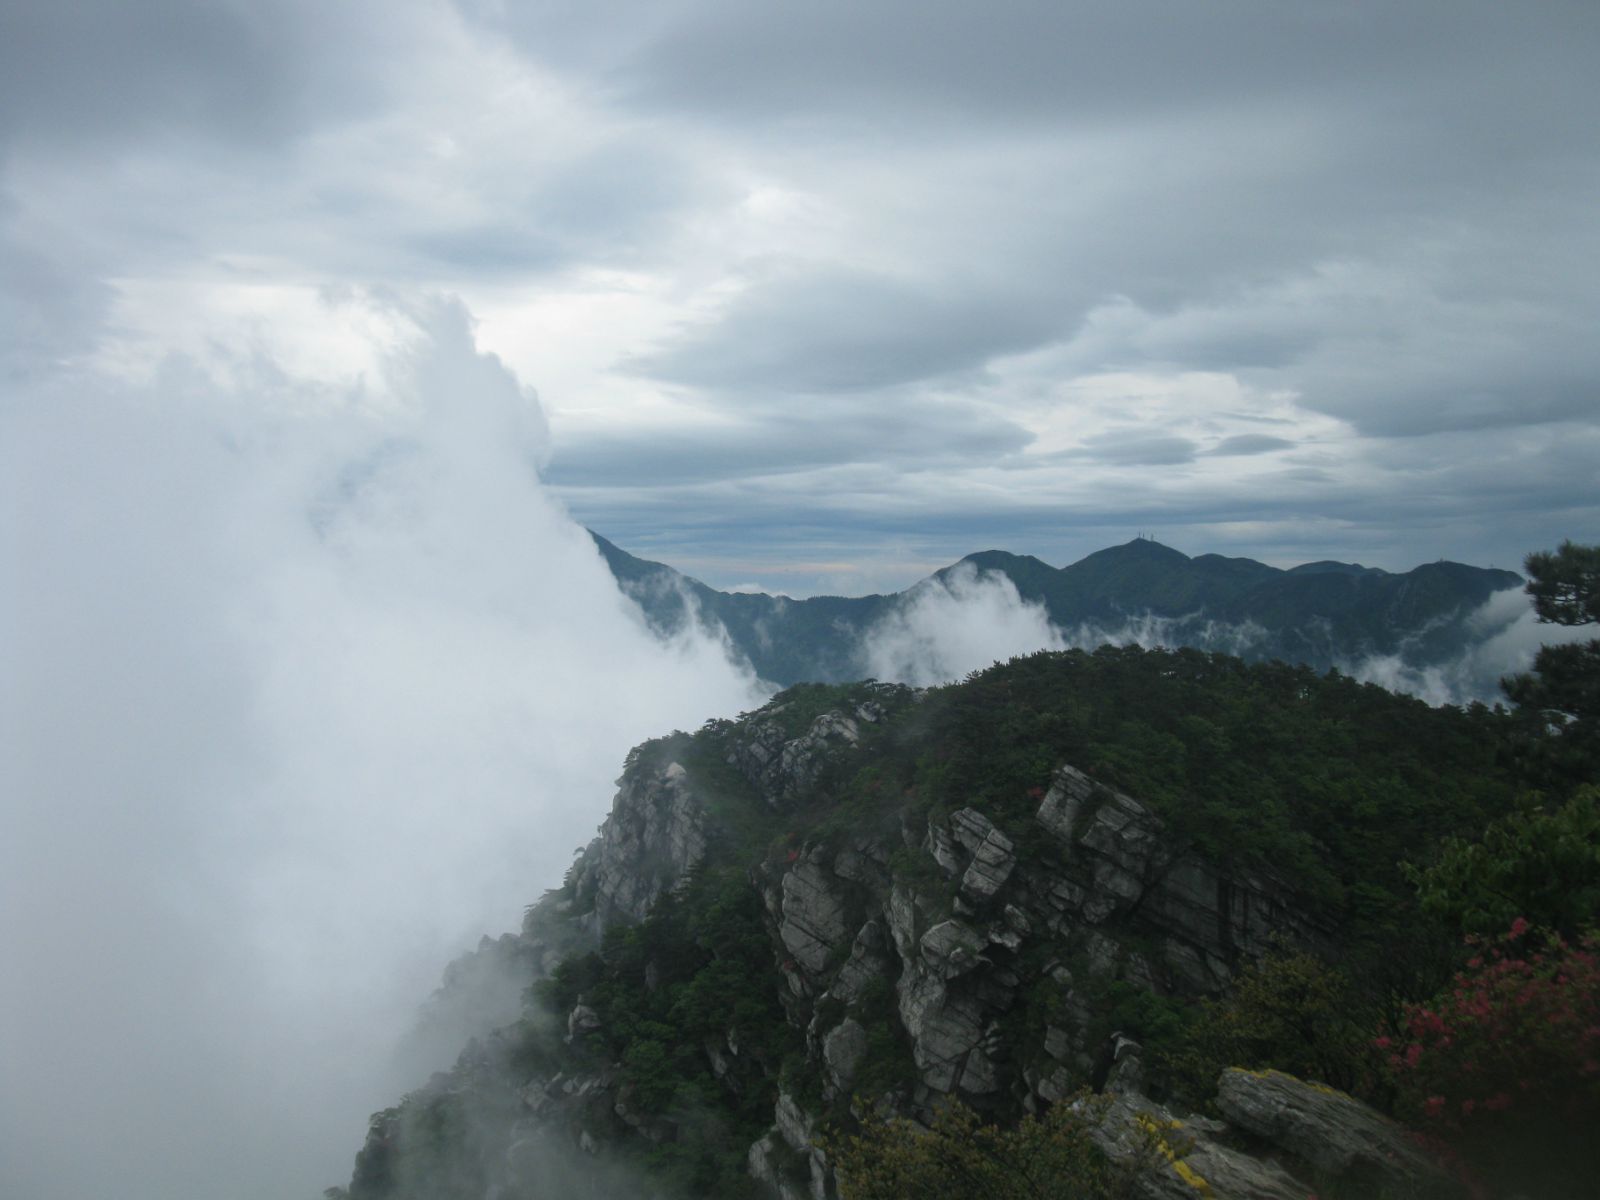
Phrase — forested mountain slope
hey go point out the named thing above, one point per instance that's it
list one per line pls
(1323, 614)
(868, 899)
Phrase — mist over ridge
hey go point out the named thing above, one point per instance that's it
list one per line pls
(1445, 632)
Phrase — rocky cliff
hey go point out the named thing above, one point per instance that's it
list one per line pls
(908, 950)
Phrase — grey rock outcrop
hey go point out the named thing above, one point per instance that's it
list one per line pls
(1338, 1136)
(1281, 1138)
(1189, 1156)
(796, 1129)
(654, 836)
(1121, 864)
(582, 1020)
(811, 915)
(842, 1051)
(780, 767)
(993, 854)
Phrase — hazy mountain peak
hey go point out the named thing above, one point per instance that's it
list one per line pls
(1324, 613)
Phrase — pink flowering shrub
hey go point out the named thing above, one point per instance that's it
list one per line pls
(1504, 1065)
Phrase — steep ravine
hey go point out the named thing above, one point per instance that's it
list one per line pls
(875, 947)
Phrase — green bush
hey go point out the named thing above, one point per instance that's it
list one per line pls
(1050, 1158)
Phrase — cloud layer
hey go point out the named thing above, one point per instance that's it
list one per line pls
(874, 287)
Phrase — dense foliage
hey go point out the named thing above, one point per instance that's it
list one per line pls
(699, 970)
(1403, 826)
(1329, 781)
(1541, 864)
(1564, 685)
(960, 1156)
(1503, 1066)
(1290, 1012)
(1325, 781)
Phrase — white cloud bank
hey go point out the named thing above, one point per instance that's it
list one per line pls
(305, 687)
(951, 625)
(1510, 634)
(967, 620)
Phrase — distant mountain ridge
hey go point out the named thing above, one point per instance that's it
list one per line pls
(1323, 614)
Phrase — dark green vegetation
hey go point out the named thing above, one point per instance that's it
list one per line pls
(1325, 780)
(697, 970)
(1564, 684)
(960, 1157)
(1397, 828)
(1321, 613)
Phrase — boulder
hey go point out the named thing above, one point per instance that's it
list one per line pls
(842, 1051)
(952, 948)
(1190, 1160)
(812, 922)
(582, 1020)
(654, 836)
(1340, 1138)
(783, 768)
(865, 964)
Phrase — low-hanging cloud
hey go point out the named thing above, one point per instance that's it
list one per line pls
(952, 624)
(1507, 634)
(965, 620)
(305, 689)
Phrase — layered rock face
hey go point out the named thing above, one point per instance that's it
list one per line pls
(654, 836)
(1276, 1133)
(978, 954)
(1110, 898)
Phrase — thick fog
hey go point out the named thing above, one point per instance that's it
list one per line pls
(306, 686)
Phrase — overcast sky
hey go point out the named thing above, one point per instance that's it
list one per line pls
(820, 296)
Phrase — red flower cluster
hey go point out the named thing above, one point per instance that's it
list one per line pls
(1518, 1028)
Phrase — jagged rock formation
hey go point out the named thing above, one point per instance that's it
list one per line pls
(919, 955)
(654, 837)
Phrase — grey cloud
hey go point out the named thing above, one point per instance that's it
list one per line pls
(1249, 443)
(612, 203)
(1467, 496)
(839, 330)
(1092, 59)
(1137, 449)
(215, 743)
(51, 307)
(91, 70)
(489, 249)
(1403, 348)
(618, 189)
(784, 438)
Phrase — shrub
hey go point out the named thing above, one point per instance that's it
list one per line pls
(1044, 1158)
(1540, 864)
(1289, 1012)
(1503, 1066)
